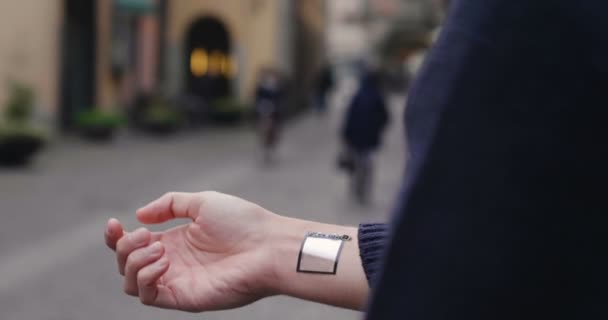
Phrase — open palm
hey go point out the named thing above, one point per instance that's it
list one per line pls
(216, 261)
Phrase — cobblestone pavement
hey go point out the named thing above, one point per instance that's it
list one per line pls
(53, 264)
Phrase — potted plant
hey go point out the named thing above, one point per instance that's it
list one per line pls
(159, 117)
(228, 110)
(19, 141)
(98, 125)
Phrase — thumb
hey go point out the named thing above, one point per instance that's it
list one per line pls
(171, 206)
(113, 233)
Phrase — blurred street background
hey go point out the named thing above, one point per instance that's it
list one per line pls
(107, 104)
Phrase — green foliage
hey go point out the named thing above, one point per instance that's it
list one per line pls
(20, 104)
(18, 139)
(97, 118)
(18, 111)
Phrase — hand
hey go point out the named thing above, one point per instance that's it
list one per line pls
(220, 259)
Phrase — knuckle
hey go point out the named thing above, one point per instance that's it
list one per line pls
(121, 245)
(133, 261)
(124, 245)
(137, 233)
(141, 278)
(134, 257)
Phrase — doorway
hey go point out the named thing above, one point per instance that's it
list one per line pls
(77, 60)
(209, 65)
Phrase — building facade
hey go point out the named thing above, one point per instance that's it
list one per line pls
(80, 54)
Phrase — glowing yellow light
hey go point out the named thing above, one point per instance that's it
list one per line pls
(215, 62)
(199, 62)
(225, 65)
(228, 66)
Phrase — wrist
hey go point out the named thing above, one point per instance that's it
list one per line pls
(285, 242)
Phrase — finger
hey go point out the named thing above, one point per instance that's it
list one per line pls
(127, 244)
(137, 260)
(170, 206)
(113, 233)
(149, 290)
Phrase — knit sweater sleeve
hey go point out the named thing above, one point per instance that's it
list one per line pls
(372, 241)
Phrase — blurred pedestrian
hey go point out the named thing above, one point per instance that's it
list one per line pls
(364, 123)
(268, 111)
(324, 84)
(503, 211)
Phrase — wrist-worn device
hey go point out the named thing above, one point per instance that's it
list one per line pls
(320, 252)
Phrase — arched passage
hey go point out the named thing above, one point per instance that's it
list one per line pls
(209, 65)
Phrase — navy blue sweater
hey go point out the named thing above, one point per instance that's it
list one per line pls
(503, 213)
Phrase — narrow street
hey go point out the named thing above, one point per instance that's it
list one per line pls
(53, 262)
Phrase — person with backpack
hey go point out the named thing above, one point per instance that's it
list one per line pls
(364, 124)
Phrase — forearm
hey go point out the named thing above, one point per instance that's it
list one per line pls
(347, 288)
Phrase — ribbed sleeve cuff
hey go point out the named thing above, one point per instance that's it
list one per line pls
(372, 241)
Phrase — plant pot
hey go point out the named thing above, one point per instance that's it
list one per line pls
(229, 118)
(98, 125)
(98, 134)
(160, 128)
(19, 149)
